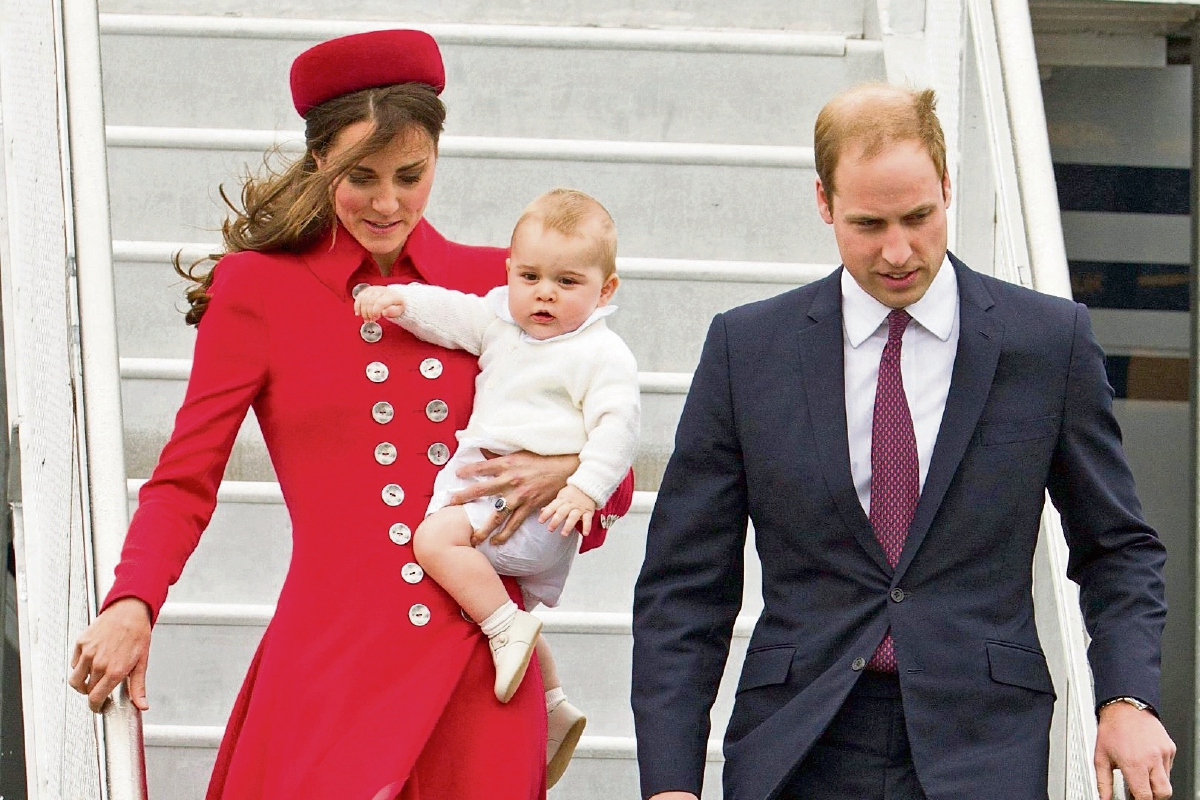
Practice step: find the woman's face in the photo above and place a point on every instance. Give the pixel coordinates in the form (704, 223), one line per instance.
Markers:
(383, 197)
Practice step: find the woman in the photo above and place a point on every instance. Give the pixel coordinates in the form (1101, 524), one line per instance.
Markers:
(368, 682)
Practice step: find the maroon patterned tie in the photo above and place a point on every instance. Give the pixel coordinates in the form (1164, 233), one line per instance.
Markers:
(895, 472)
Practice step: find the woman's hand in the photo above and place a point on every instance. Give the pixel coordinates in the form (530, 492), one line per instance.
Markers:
(115, 646)
(525, 481)
(571, 506)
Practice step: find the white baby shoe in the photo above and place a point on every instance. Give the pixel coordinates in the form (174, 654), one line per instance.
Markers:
(564, 726)
(511, 650)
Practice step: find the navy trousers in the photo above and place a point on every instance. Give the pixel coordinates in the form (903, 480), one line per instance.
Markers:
(864, 754)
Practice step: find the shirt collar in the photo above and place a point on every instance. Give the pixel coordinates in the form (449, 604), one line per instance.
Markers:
(862, 314)
(498, 297)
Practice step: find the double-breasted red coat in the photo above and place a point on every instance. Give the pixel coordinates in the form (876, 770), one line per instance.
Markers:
(368, 679)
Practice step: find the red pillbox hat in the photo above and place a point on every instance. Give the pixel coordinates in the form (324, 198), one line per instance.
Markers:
(365, 61)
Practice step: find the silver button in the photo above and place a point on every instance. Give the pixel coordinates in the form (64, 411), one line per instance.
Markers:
(418, 615)
(431, 368)
(439, 454)
(858, 664)
(393, 495)
(897, 595)
(437, 410)
(371, 332)
(400, 533)
(357, 290)
(412, 573)
(385, 453)
(382, 412)
(377, 372)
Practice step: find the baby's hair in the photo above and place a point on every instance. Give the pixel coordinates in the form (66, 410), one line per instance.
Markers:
(573, 213)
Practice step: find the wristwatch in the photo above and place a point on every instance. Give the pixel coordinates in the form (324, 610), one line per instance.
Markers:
(1133, 701)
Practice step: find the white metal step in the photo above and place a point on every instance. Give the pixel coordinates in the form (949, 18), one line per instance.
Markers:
(155, 66)
(151, 300)
(720, 202)
(179, 758)
(844, 16)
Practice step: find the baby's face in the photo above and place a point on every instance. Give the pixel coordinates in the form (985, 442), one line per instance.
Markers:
(554, 284)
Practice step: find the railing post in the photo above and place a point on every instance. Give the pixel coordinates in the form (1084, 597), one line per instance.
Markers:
(101, 396)
(1193, 768)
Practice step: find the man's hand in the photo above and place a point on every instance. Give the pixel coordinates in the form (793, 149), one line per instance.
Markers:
(1136, 743)
(525, 481)
(115, 646)
(571, 506)
(374, 302)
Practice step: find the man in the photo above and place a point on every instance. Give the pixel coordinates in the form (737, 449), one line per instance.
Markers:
(891, 431)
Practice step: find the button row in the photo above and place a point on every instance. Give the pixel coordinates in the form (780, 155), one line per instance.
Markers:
(377, 371)
(386, 453)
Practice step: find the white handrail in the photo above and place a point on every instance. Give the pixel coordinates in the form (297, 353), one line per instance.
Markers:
(1031, 148)
(1029, 232)
(101, 396)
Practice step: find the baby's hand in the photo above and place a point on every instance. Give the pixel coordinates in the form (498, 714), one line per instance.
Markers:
(374, 302)
(569, 507)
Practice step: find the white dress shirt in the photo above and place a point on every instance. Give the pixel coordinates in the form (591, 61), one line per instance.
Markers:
(926, 364)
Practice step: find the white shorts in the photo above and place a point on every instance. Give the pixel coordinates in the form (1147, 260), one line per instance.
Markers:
(537, 557)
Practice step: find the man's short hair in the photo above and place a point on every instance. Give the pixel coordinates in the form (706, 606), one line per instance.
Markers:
(573, 213)
(874, 116)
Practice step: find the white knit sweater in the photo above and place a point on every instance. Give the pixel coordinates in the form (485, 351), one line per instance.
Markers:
(574, 393)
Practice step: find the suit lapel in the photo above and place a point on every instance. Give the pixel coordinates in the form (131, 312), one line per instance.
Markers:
(822, 375)
(980, 337)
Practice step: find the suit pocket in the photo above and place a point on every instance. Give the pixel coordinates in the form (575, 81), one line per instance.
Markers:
(1019, 666)
(766, 667)
(1023, 430)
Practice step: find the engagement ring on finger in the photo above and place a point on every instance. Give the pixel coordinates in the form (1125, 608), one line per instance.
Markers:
(501, 505)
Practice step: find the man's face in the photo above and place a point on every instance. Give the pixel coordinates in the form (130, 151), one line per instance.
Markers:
(889, 218)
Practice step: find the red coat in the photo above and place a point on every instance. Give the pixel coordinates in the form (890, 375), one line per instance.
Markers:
(363, 682)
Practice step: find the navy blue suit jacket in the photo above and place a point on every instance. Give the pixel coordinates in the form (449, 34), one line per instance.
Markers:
(763, 438)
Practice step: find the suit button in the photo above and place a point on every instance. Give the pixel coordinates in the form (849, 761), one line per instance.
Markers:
(400, 533)
(418, 615)
(858, 664)
(431, 368)
(897, 595)
(358, 287)
(437, 410)
(393, 495)
(385, 453)
(371, 332)
(412, 573)
(438, 453)
(377, 372)
(382, 413)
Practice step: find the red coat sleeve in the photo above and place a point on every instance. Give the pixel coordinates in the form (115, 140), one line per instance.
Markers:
(617, 506)
(229, 369)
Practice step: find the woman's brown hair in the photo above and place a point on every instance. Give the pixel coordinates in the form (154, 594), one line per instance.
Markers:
(288, 210)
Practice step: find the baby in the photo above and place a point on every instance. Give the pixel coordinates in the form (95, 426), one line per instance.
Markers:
(554, 380)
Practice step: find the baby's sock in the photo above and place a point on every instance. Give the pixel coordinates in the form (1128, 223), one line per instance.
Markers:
(499, 620)
(554, 698)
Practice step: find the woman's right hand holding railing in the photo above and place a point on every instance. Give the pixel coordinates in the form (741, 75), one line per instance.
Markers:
(114, 647)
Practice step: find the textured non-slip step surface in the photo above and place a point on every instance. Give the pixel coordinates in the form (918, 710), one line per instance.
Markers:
(150, 407)
(706, 211)
(663, 320)
(581, 91)
(843, 16)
